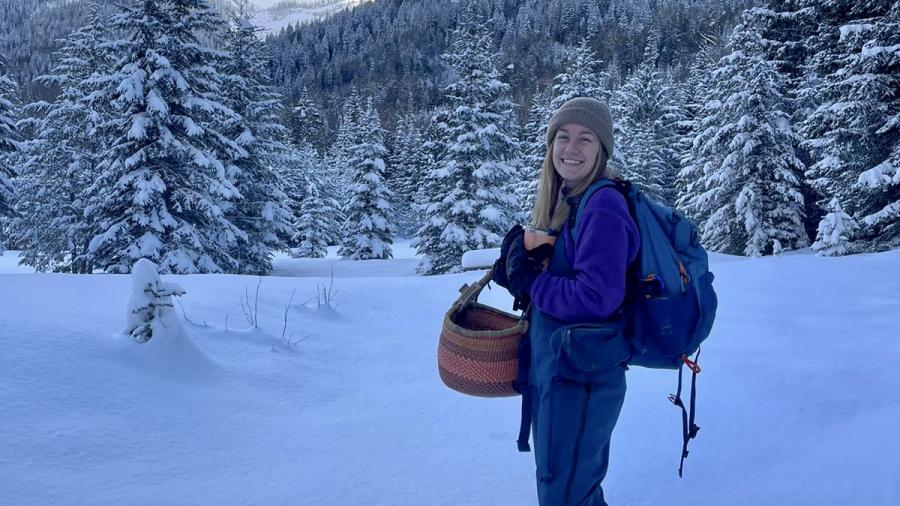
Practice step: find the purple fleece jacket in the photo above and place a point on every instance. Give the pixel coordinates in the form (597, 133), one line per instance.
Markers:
(608, 241)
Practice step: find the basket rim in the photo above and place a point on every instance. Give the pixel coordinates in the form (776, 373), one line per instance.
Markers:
(520, 328)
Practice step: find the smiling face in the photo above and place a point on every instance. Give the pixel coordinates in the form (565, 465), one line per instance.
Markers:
(575, 151)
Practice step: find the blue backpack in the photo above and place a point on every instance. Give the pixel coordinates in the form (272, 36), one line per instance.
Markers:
(670, 304)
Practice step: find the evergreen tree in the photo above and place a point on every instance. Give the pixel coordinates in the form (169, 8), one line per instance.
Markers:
(432, 190)
(582, 77)
(835, 231)
(348, 134)
(471, 205)
(310, 235)
(163, 180)
(880, 55)
(854, 132)
(314, 213)
(8, 141)
(261, 212)
(368, 232)
(646, 115)
(339, 160)
(306, 124)
(785, 29)
(408, 160)
(151, 311)
(690, 184)
(533, 139)
(61, 158)
(752, 197)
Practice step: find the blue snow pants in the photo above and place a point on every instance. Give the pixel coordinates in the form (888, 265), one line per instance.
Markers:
(577, 383)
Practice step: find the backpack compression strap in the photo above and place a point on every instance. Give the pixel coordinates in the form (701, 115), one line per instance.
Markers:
(524, 358)
(688, 427)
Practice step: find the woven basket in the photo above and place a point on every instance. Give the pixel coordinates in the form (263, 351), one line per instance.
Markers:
(478, 349)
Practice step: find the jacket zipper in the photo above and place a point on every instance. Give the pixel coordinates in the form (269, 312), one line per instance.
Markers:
(577, 450)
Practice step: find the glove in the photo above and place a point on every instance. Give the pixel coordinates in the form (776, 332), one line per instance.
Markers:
(541, 253)
(522, 268)
(516, 232)
(499, 275)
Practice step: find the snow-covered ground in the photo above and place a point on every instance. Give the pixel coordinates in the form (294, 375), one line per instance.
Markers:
(799, 399)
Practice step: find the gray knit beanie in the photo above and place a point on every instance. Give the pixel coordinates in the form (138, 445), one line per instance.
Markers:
(589, 113)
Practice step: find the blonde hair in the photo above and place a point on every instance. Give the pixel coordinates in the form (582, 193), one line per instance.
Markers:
(550, 207)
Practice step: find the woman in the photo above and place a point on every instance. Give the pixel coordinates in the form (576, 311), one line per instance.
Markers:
(578, 353)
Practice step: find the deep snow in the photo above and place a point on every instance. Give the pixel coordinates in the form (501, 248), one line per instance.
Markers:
(798, 399)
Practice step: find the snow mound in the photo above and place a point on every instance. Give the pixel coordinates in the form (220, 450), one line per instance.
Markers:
(154, 338)
(480, 258)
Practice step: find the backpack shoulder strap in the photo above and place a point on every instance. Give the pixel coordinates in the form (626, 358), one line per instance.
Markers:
(624, 187)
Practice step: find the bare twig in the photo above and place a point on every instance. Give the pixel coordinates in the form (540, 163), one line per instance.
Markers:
(245, 307)
(287, 309)
(251, 313)
(290, 344)
(326, 296)
(256, 304)
(184, 314)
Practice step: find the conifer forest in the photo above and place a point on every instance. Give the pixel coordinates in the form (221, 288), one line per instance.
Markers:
(177, 131)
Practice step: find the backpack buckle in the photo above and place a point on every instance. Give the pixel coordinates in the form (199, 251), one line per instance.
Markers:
(685, 277)
(674, 399)
(693, 366)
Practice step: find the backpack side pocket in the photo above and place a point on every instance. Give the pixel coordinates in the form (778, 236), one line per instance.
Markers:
(709, 303)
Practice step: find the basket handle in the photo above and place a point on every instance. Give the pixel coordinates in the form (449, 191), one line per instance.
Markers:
(470, 293)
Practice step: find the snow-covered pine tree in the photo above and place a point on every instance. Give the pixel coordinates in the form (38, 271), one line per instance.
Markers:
(408, 161)
(433, 187)
(311, 224)
(339, 160)
(691, 183)
(8, 142)
(261, 212)
(582, 76)
(292, 170)
(348, 135)
(163, 179)
(646, 114)
(61, 159)
(471, 205)
(669, 130)
(880, 55)
(305, 121)
(754, 204)
(151, 311)
(368, 232)
(835, 231)
(533, 139)
(314, 213)
(785, 27)
(854, 132)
